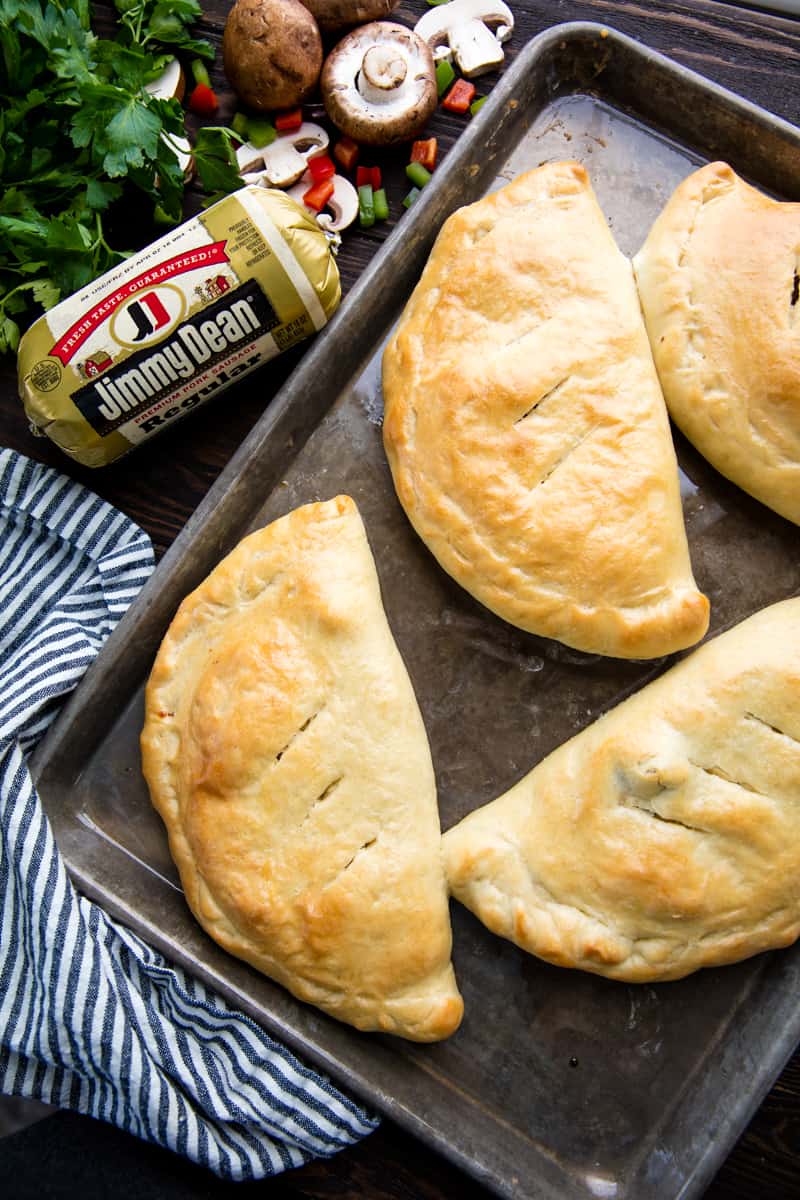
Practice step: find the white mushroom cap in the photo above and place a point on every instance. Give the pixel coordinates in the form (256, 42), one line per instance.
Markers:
(282, 162)
(343, 204)
(470, 31)
(379, 84)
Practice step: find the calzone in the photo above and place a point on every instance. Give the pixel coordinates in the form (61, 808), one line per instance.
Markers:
(285, 752)
(719, 279)
(664, 837)
(526, 430)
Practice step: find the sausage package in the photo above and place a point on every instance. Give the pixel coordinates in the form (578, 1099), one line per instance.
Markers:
(177, 323)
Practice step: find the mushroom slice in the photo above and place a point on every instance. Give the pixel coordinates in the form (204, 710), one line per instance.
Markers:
(171, 82)
(379, 84)
(470, 31)
(343, 204)
(181, 147)
(283, 162)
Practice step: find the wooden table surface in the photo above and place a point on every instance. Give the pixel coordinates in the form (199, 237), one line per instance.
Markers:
(751, 51)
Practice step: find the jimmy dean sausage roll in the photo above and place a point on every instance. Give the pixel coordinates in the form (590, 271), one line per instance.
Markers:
(177, 323)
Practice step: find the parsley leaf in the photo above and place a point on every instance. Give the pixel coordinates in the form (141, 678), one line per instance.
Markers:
(215, 159)
(77, 131)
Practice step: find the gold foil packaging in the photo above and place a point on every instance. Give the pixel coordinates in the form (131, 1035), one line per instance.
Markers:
(176, 324)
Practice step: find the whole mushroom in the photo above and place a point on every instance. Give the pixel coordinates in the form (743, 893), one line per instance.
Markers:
(379, 84)
(339, 14)
(272, 53)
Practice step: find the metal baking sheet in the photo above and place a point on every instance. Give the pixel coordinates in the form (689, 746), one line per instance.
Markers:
(558, 1084)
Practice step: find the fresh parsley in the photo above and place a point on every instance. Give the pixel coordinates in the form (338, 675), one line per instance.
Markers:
(78, 131)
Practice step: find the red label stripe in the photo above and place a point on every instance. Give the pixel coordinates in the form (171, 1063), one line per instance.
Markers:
(190, 260)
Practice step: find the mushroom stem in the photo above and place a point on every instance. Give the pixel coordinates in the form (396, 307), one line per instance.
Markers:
(383, 70)
(475, 48)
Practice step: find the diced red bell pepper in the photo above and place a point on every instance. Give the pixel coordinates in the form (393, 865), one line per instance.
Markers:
(425, 152)
(287, 121)
(369, 175)
(460, 96)
(203, 100)
(321, 167)
(346, 153)
(318, 196)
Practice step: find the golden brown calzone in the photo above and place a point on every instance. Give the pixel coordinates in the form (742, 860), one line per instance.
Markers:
(666, 836)
(285, 751)
(719, 284)
(526, 430)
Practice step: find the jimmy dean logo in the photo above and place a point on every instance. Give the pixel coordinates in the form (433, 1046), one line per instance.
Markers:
(146, 317)
(200, 258)
(144, 378)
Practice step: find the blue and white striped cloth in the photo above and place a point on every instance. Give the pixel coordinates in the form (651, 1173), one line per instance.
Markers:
(91, 1018)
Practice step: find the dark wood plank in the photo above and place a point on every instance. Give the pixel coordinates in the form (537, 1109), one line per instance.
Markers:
(748, 50)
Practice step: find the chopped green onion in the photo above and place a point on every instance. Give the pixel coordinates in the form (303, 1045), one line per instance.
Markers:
(477, 105)
(411, 198)
(240, 124)
(260, 132)
(418, 174)
(200, 72)
(444, 76)
(380, 204)
(366, 206)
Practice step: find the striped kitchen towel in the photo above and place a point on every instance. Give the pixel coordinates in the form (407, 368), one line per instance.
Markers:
(91, 1018)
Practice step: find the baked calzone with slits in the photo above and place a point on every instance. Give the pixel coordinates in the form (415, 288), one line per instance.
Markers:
(526, 430)
(719, 279)
(666, 836)
(285, 752)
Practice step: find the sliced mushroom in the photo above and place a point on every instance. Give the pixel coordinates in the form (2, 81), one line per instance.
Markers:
(470, 31)
(181, 147)
(339, 14)
(283, 162)
(379, 84)
(171, 82)
(343, 204)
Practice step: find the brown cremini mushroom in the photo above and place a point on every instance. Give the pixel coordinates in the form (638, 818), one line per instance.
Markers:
(379, 84)
(272, 52)
(340, 14)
